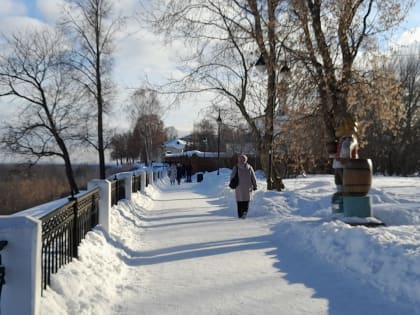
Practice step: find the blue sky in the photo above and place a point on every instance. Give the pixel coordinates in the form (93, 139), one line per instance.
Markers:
(411, 22)
(413, 18)
(32, 8)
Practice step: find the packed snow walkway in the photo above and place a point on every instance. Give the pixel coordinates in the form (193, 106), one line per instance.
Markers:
(195, 257)
(200, 260)
(180, 249)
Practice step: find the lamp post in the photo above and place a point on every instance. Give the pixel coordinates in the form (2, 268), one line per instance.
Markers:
(219, 124)
(205, 145)
(261, 66)
(282, 72)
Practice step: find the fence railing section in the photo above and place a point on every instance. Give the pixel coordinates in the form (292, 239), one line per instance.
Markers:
(136, 184)
(63, 229)
(3, 243)
(117, 190)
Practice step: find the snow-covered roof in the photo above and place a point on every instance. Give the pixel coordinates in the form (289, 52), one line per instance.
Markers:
(176, 144)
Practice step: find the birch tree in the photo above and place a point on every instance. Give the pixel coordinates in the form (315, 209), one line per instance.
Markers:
(92, 27)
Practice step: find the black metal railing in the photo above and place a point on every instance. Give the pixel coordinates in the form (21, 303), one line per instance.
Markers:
(136, 184)
(64, 228)
(117, 191)
(3, 244)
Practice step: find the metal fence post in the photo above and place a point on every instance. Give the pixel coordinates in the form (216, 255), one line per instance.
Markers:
(76, 230)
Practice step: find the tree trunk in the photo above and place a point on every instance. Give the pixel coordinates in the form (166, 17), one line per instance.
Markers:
(69, 169)
(102, 174)
(70, 177)
(101, 150)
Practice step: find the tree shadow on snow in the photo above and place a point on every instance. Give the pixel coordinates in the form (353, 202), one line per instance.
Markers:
(345, 294)
(194, 250)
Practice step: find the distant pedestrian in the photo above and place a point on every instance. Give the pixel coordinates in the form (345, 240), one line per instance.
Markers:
(247, 183)
(188, 170)
(172, 176)
(179, 173)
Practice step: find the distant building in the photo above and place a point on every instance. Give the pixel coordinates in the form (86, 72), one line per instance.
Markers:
(174, 146)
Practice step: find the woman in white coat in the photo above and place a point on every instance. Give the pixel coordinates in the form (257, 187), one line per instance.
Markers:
(247, 183)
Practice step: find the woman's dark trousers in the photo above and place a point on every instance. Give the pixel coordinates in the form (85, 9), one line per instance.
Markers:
(242, 209)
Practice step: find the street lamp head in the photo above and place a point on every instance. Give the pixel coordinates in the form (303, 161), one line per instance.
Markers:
(284, 71)
(261, 67)
(260, 64)
(219, 119)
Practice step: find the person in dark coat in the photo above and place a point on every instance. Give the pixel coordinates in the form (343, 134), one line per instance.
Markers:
(188, 170)
(247, 183)
(179, 173)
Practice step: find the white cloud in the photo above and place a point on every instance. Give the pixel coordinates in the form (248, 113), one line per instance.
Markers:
(144, 55)
(409, 37)
(13, 24)
(140, 55)
(50, 9)
(12, 7)
(126, 7)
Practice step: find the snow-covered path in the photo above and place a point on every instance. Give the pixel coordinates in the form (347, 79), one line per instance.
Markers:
(181, 250)
(194, 257)
(197, 259)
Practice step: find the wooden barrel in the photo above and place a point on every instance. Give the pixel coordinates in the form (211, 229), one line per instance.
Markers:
(357, 177)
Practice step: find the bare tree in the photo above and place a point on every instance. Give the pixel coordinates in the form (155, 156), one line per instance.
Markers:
(35, 72)
(119, 147)
(149, 135)
(225, 39)
(408, 72)
(203, 137)
(171, 133)
(92, 26)
(319, 39)
(145, 140)
(146, 110)
(143, 102)
(330, 36)
(397, 149)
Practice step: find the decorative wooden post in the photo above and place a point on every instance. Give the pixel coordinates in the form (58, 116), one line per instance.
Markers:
(353, 176)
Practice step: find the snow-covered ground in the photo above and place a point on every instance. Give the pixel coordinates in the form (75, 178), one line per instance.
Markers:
(181, 250)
